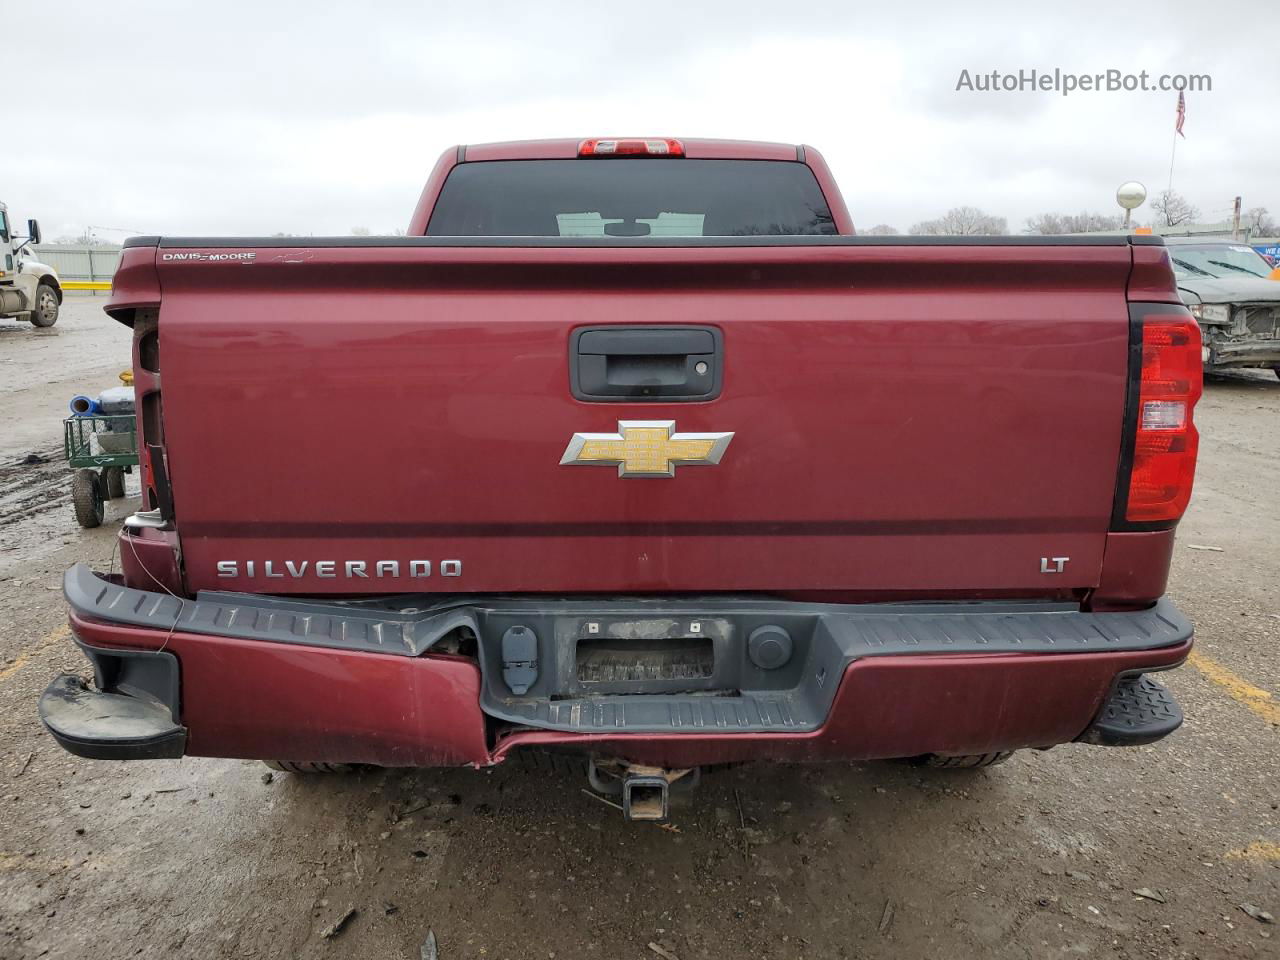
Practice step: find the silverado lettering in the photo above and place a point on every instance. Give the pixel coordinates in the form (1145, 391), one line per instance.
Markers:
(914, 421)
(336, 568)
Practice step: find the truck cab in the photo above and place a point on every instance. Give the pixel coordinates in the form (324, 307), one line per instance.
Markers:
(29, 290)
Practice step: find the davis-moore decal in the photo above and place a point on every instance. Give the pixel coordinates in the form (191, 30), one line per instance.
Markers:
(205, 257)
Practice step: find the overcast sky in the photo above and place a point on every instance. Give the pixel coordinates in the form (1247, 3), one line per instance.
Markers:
(316, 117)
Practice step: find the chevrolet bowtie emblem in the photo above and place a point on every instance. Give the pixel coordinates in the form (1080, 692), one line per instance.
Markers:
(646, 448)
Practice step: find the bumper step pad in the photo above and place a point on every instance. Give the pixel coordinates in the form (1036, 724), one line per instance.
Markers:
(1138, 711)
(109, 726)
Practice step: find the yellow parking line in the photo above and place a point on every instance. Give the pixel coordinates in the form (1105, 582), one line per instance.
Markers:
(20, 861)
(1256, 699)
(1262, 850)
(86, 285)
(56, 636)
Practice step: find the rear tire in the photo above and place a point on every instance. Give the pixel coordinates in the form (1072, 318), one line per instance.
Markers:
(968, 762)
(86, 497)
(308, 766)
(45, 313)
(113, 480)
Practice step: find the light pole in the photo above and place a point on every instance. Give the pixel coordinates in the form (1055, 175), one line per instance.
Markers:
(1130, 196)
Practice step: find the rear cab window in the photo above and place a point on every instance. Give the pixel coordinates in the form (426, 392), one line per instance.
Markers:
(643, 197)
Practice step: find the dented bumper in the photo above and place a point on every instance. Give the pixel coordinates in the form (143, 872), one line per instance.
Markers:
(1225, 351)
(368, 684)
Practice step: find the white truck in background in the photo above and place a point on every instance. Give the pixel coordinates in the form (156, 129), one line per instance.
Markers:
(29, 289)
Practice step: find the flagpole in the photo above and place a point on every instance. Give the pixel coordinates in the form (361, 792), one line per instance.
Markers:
(1177, 132)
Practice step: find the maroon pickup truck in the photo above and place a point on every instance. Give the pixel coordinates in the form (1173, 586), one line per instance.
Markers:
(631, 450)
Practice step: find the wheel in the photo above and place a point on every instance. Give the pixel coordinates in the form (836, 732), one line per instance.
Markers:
(46, 312)
(86, 495)
(113, 480)
(308, 766)
(969, 762)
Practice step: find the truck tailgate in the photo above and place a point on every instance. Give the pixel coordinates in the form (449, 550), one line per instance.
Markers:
(932, 419)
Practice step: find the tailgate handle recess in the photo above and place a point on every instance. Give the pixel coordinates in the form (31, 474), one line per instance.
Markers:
(638, 364)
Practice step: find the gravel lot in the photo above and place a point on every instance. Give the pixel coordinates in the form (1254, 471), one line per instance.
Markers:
(1037, 858)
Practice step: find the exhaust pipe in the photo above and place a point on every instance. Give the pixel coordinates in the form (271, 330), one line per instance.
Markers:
(645, 790)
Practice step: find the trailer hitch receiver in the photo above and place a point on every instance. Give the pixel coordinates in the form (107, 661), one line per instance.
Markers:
(645, 790)
(645, 797)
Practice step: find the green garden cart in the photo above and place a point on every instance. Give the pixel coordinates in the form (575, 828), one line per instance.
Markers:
(100, 450)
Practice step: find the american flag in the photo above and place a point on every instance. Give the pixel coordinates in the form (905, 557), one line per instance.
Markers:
(1182, 114)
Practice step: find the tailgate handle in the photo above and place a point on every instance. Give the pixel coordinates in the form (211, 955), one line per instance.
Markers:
(638, 364)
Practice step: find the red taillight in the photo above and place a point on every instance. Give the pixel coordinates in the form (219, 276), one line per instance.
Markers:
(631, 148)
(1165, 438)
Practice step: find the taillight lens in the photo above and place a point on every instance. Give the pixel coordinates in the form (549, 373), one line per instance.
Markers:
(631, 148)
(1165, 440)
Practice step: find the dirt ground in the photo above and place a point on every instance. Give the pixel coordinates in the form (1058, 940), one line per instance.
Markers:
(1037, 858)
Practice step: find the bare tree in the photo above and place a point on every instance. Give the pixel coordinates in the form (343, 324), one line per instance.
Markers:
(1173, 208)
(1083, 222)
(881, 230)
(963, 222)
(1260, 222)
(86, 238)
(360, 231)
